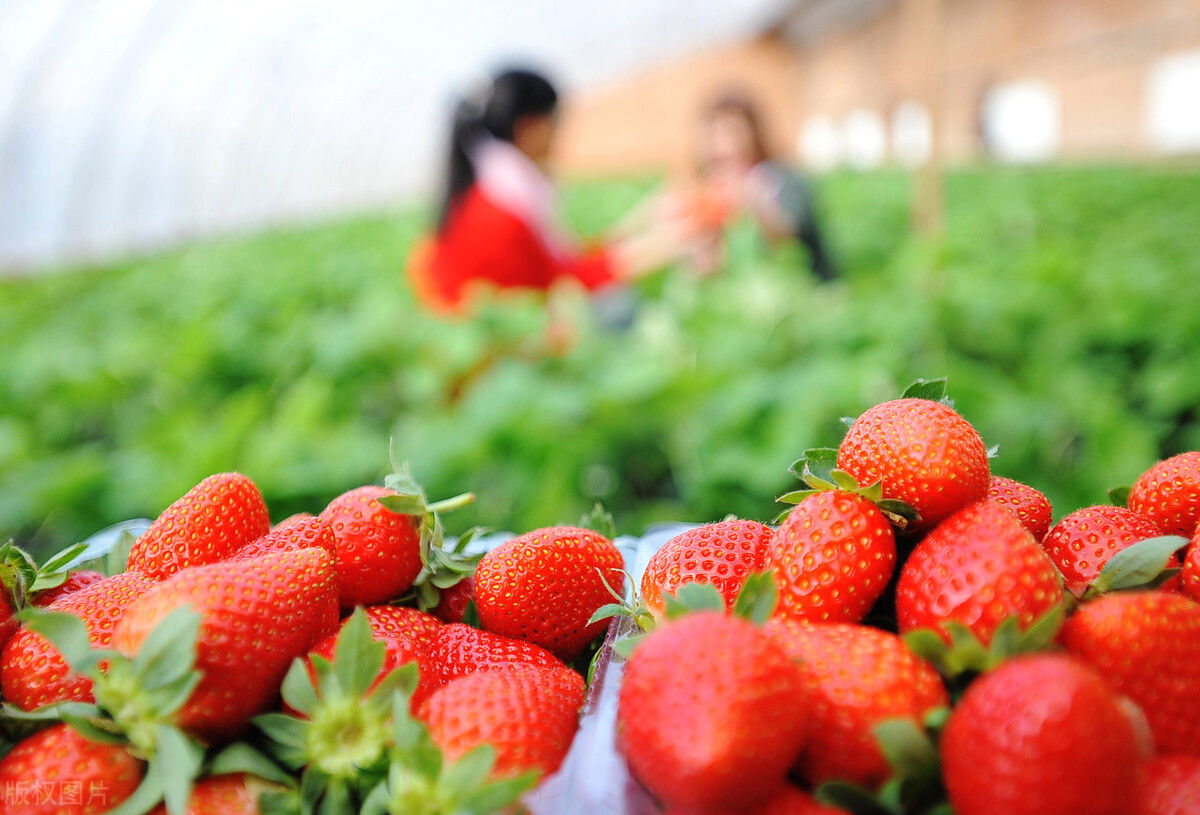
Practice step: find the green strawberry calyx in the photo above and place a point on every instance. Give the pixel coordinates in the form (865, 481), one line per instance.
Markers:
(357, 747)
(965, 655)
(135, 699)
(442, 565)
(21, 577)
(817, 469)
(915, 785)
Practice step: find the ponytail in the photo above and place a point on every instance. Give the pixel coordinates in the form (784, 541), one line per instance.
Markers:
(493, 112)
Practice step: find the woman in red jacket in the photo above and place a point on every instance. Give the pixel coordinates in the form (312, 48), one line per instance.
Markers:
(497, 222)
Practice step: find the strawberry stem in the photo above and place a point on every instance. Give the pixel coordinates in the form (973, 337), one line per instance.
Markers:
(451, 504)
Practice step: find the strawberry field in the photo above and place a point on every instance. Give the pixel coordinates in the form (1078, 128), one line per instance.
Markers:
(1059, 306)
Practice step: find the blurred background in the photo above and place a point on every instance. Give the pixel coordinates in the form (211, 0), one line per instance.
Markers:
(206, 210)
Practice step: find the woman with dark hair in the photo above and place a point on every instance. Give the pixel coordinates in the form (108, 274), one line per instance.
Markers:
(738, 170)
(496, 225)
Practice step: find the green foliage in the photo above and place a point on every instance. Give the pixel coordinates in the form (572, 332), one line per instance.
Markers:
(1056, 306)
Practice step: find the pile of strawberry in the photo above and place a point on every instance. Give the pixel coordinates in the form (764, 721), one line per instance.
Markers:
(915, 637)
(318, 666)
(912, 638)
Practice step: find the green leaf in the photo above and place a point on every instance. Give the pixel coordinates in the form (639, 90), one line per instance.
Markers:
(471, 615)
(404, 504)
(287, 736)
(894, 506)
(470, 770)
(147, 796)
(598, 519)
(179, 759)
(848, 421)
(928, 645)
(169, 652)
(844, 481)
(851, 798)
(58, 562)
(1119, 496)
(931, 389)
(337, 799)
(118, 557)
(757, 598)
(166, 699)
(608, 610)
(966, 653)
(497, 795)
(693, 597)
(794, 497)
(357, 656)
(402, 679)
(1006, 640)
(297, 688)
(1136, 565)
(95, 728)
(936, 719)
(906, 746)
(1042, 633)
(68, 634)
(240, 757)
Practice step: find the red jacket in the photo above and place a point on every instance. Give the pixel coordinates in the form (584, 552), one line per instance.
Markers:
(483, 243)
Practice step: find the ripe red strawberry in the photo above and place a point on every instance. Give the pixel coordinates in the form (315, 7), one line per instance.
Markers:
(979, 567)
(528, 713)
(722, 554)
(209, 523)
(378, 551)
(712, 713)
(832, 558)
(1169, 494)
(404, 624)
(861, 676)
(1031, 506)
(1146, 645)
(924, 453)
(222, 795)
(256, 617)
(790, 801)
(1191, 568)
(1040, 735)
(290, 537)
(460, 650)
(1169, 785)
(544, 586)
(408, 636)
(79, 579)
(1083, 542)
(33, 673)
(56, 771)
(453, 602)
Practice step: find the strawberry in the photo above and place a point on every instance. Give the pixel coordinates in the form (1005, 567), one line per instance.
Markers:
(832, 558)
(1191, 568)
(721, 554)
(861, 676)
(711, 713)
(544, 586)
(1030, 505)
(1169, 494)
(1084, 541)
(789, 801)
(460, 650)
(453, 602)
(405, 624)
(222, 795)
(33, 673)
(290, 537)
(256, 616)
(1169, 785)
(79, 579)
(1040, 735)
(378, 550)
(56, 771)
(1146, 645)
(923, 452)
(528, 714)
(408, 635)
(209, 523)
(979, 567)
